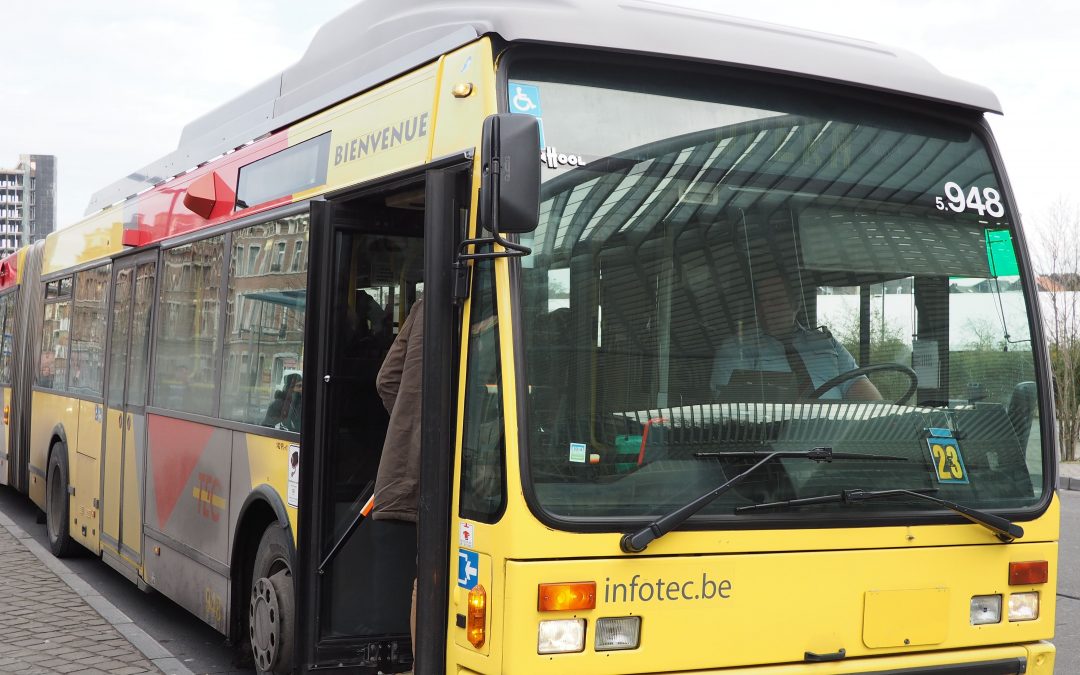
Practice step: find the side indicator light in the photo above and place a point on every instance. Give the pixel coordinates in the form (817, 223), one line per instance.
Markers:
(7, 414)
(1026, 573)
(476, 619)
(566, 596)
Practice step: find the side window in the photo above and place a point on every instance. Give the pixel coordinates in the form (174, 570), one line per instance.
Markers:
(483, 483)
(7, 321)
(264, 331)
(88, 331)
(55, 336)
(186, 363)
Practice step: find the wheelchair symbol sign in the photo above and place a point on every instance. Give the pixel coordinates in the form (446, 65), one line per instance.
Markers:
(525, 99)
(468, 568)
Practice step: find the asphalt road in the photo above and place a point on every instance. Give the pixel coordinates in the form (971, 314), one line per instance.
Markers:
(203, 650)
(199, 647)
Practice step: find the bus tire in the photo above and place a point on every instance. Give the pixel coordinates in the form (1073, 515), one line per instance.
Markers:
(57, 503)
(271, 605)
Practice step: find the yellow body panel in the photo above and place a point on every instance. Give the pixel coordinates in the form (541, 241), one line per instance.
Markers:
(96, 237)
(458, 119)
(775, 608)
(1039, 657)
(89, 436)
(86, 468)
(368, 134)
(268, 460)
(50, 412)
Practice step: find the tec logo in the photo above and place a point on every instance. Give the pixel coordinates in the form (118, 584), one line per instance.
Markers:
(468, 568)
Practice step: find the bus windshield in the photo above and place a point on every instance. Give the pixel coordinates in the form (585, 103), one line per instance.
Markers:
(726, 267)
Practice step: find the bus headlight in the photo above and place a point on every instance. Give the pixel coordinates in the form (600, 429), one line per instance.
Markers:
(561, 636)
(985, 609)
(622, 632)
(1024, 606)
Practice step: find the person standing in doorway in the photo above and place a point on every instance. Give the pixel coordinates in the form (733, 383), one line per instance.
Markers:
(397, 483)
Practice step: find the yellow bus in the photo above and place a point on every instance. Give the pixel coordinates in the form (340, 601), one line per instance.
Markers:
(746, 374)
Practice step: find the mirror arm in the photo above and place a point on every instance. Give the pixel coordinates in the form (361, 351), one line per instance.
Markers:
(511, 249)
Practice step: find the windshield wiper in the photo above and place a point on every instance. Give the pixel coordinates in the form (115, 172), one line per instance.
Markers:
(1003, 529)
(636, 542)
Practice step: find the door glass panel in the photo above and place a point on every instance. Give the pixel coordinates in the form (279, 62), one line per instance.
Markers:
(140, 343)
(378, 280)
(118, 342)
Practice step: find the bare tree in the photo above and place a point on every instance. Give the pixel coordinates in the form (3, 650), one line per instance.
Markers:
(1060, 282)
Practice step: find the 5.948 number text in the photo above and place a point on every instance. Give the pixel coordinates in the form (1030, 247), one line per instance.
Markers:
(986, 201)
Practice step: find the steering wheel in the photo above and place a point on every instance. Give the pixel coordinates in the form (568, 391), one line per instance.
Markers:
(866, 370)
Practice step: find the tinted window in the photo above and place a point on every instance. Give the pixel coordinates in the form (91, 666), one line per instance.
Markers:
(88, 331)
(7, 320)
(264, 333)
(186, 363)
(55, 337)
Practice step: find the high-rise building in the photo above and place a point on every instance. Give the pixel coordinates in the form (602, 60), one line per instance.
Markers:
(27, 201)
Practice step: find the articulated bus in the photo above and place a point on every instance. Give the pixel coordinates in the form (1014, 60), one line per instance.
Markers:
(732, 359)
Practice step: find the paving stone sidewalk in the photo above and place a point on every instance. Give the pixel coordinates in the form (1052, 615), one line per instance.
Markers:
(47, 627)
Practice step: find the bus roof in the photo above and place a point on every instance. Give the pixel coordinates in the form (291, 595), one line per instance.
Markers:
(377, 40)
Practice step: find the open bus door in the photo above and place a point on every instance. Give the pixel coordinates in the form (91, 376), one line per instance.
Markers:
(376, 251)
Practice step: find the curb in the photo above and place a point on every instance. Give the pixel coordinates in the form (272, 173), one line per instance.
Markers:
(1067, 483)
(140, 639)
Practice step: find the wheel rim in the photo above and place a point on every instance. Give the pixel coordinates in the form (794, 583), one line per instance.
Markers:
(56, 506)
(264, 625)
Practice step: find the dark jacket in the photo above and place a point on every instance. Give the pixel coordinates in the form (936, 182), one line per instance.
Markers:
(398, 480)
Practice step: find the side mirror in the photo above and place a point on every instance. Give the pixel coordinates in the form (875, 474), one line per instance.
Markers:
(510, 185)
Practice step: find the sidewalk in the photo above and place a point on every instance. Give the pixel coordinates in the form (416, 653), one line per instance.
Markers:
(51, 621)
(1069, 476)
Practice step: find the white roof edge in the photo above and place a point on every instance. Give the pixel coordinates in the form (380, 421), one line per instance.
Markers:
(338, 63)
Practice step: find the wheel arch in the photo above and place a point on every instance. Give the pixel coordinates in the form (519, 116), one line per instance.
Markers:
(262, 507)
(59, 435)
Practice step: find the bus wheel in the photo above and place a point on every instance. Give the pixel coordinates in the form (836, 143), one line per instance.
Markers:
(271, 609)
(57, 504)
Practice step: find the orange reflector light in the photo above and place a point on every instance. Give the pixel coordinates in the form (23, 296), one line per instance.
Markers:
(7, 414)
(558, 597)
(1031, 572)
(476, 619)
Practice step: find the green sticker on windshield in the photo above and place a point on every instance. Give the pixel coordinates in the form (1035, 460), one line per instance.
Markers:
(948, 462)
(1001, 254)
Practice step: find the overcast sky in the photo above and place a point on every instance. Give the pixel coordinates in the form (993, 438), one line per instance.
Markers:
(108, 85)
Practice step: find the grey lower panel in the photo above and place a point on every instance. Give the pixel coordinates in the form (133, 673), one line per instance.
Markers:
(189, 583)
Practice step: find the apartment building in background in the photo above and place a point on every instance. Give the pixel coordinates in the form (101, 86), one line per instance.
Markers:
(27, 201)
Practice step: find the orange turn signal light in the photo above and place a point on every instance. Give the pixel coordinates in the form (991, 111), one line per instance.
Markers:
(7, 415)
(476, 619)
(1025, 573)
(559, 597)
